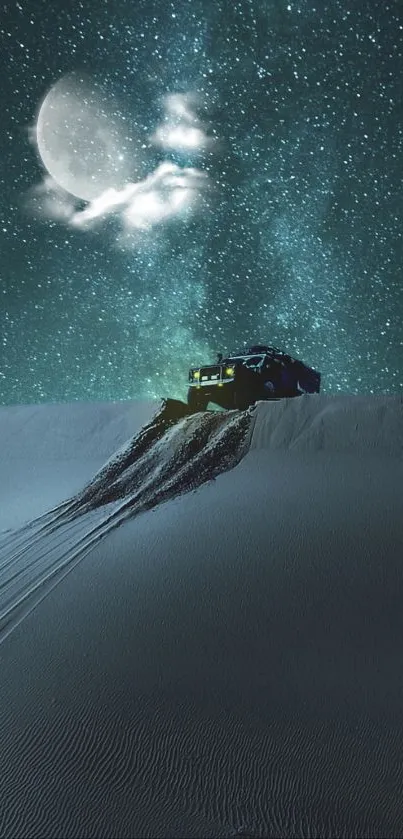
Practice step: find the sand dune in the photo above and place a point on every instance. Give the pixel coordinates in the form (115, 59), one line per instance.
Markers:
(359, 425)
(174, 453)
(207, 633)
(48, 452)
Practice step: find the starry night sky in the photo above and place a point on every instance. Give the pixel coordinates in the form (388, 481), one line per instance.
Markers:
(293, 236)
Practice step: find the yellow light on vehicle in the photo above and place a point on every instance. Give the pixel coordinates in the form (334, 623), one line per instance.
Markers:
(196, 374)
(229, 371)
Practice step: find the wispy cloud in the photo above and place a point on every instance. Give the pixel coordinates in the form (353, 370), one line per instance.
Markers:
(49, 200)
(168, 192)
(181, 128)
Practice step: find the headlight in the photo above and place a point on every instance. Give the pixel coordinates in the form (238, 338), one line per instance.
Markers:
(229, 371)
(196, 374)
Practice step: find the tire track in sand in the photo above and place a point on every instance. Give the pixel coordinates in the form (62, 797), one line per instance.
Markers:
(174, 454)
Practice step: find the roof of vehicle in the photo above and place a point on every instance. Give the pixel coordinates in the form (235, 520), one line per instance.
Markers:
(257, 349)
(260, 349)
(254, 350)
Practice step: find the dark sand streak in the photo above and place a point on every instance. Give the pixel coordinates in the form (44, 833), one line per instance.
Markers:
(173, 454)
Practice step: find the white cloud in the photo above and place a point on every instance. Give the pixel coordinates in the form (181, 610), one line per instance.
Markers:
(180, 105)
(180, 137)
(181, 129)
(168, 192)
(51, 201)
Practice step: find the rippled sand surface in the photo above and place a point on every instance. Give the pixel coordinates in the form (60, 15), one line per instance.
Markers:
(189, 656)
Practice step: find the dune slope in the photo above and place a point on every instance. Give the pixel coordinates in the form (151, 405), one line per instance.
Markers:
(223, 644)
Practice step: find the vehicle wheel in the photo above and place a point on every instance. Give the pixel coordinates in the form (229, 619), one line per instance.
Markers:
(241, 401)
(269, 389)
(197, 401)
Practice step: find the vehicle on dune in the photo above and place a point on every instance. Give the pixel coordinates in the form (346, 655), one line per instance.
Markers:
(245, 376)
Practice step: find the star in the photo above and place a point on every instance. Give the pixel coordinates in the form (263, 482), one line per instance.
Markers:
(246, 190)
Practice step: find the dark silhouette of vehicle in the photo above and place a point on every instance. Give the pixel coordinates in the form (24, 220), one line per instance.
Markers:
(248, 375)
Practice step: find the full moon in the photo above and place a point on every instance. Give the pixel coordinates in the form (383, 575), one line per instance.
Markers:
(82, 141)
